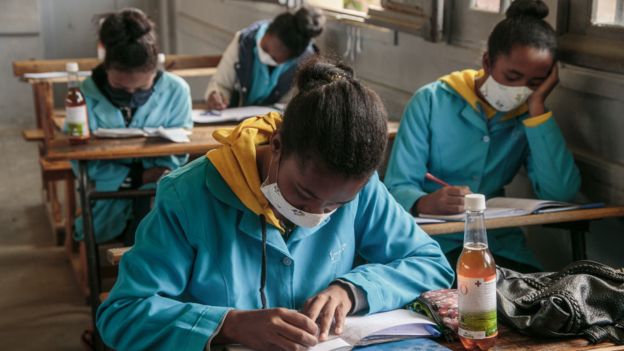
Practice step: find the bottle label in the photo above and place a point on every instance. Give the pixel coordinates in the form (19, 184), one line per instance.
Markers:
(477, 307)
(76, 121)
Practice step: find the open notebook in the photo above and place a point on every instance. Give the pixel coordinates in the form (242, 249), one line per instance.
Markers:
(510, 207)
(235, 114)
(375, 329)
(177, 135)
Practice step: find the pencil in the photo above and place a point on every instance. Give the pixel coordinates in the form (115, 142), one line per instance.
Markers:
(435, 179)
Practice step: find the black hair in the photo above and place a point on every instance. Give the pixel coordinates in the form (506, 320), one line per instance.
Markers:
(130, 41)
(335, 119)
(296, 30)
(524, 25)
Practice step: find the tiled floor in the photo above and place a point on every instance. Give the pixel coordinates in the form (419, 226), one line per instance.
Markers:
(42, 308)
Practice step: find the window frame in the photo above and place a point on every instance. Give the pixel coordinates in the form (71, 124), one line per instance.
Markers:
(585, 44)
(425, 19)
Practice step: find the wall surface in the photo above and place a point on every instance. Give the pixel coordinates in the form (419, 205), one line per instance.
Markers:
(48, 29)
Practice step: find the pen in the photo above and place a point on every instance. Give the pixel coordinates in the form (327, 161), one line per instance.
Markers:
(211, 113)
(435, 179)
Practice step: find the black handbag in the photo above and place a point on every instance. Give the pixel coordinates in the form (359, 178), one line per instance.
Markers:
(585, 299)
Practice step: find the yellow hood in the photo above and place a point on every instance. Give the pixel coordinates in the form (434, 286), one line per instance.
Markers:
(463, 82)
(236, 161)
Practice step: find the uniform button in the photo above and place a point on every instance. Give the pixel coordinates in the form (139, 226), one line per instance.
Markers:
(486, 139)
(287, 261)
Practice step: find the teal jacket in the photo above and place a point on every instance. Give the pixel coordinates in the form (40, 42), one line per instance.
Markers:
(443, 134)
(198, 255)
(169, 106)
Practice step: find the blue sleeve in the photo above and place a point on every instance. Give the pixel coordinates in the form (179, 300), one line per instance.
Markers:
(550, 164)
(181, 116)
(403, 260)
(143, 310)
(406, 170)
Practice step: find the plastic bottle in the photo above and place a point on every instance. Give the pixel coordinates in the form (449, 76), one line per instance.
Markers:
(76, 118)
(476, 281)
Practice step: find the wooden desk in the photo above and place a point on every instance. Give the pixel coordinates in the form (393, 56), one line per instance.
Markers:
(535, 219)
(110, 149)
(576, 221)
(509, 339)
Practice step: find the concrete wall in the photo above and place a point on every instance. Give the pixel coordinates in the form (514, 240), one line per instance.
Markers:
(587, 103)
(48, 29)
(19, 38)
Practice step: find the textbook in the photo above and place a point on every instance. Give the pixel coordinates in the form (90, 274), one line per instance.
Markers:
(235, 114)
(378, 328)
(177, 135)
(499, 207)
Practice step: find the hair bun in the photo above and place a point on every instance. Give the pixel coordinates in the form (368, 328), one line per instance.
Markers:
(136, 23)
(317, 72)
(527, 8)
(126, 26)
(309, 22)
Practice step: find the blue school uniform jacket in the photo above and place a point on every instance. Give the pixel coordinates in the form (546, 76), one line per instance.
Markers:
(168, 106)
(444, 133)
(198, 255)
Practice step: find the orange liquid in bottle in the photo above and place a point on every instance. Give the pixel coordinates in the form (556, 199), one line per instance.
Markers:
(475, 267)
(76, 118)
(75, 103)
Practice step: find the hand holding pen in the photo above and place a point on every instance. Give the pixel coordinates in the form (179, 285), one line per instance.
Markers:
(448, 199)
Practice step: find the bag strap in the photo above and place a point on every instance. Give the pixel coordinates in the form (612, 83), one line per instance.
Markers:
(597, 333)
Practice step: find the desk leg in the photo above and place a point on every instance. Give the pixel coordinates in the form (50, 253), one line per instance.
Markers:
(579, 251)
(92, 252)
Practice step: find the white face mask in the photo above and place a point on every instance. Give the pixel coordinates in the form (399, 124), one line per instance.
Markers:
(296, 216)
(101, 52)
(264, 57)
(504, 98)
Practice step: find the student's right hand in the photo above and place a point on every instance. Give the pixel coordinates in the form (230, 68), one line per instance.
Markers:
(216, 101)
(271, 329)
(446, 200)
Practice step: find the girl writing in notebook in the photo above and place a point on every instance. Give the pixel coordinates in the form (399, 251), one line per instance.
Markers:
(128, 91)
(259, 65)
(255, 243)
(476, 129)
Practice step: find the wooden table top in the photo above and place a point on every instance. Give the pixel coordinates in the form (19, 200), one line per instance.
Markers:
(533, 219)
(186, 72)
(108, 149)
(509, 339)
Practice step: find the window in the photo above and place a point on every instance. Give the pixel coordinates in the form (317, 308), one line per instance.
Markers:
(494, 6)
(608, 13)
(592, 34)
(420, 17)
(355, 5)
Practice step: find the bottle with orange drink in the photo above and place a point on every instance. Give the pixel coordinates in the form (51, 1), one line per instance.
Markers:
(476, 281)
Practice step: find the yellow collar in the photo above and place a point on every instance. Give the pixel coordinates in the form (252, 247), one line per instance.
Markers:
(236, 161)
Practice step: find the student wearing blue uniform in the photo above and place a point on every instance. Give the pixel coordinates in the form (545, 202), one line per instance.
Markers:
(259, 65)
(255, 243)
(476, 129)
(128, 91)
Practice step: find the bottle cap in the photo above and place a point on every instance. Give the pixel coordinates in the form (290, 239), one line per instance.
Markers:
(474, 202)
(72, 66)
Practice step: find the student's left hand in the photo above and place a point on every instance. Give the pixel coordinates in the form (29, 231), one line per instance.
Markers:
(152, 175)
(331, 304)
(537, 99)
